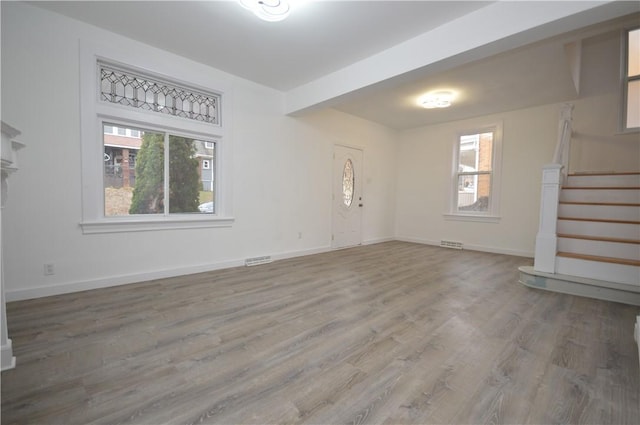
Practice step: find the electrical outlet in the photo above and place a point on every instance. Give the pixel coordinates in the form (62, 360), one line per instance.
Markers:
(49, 269)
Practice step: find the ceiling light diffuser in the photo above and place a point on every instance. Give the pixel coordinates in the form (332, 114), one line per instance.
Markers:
(268, 10)
(440, 99)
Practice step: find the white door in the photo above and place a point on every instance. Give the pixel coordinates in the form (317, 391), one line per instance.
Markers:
(347, 197)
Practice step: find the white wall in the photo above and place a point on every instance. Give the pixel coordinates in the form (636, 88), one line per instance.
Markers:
(281, 170)
(529, 139)
(281, 184)
(424, 173)
(597, 144)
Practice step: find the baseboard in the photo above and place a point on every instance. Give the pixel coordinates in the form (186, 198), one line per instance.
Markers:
(7, 360)
(471, 247)
(66, 288)
(636, 335)
(301, 253)
(377, 240)
(580, 286)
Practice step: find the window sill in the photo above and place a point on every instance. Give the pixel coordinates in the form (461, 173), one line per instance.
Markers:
(472, 217)
(144, 224)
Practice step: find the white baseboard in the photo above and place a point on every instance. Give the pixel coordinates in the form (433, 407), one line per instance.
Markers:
(302, 253)
(377, 240)
(66, 288)
(581, 286)
(636, 335)
(7, 360)
(470, 247)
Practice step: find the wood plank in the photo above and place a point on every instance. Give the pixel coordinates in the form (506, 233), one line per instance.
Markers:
(598, 238)
(624, 261)
(607, 204)
(610, 173)
(602, 187)
(600, 220)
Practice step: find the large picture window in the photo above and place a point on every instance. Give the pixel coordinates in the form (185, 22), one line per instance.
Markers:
(155, 152)
(476, 174)
(631, 80)
(157, 173)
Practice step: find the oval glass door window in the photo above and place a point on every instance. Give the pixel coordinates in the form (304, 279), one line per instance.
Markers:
(347, 183)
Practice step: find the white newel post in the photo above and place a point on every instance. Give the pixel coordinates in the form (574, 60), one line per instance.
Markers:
(9, 154)
(547, 240)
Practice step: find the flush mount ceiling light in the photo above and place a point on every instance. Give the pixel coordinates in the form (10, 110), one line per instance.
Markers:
(268, 10)
(439, 99)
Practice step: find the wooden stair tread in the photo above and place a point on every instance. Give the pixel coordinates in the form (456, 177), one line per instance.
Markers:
(612, 260)
(600, 220)
(602, 187)
(598, 238)
(603, 173)
(607, 204)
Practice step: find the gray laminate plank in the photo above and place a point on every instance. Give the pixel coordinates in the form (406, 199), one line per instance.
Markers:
(394, 333)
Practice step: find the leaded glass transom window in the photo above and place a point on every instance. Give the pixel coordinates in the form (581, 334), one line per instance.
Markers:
(137, 90)
(348, 179)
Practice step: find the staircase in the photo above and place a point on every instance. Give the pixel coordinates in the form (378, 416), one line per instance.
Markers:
(598, 239)
(598, 227)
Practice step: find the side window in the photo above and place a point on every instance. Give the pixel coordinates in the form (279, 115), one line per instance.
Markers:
(631, 80)
(476, 173)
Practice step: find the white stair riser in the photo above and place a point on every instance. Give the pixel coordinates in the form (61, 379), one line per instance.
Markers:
(628, 251)
(628, 196)
(611, 212)
(609, 272)
(626, 180)
(600, 229)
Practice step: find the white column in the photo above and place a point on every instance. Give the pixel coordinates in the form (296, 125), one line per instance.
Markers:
(9, 160)
(547, 240)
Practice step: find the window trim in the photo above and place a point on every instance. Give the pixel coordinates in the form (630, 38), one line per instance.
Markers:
(625, 80)
(94, 112)
(492, 213)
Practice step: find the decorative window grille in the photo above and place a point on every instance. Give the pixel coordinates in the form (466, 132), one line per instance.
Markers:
(137, 90)
(348, 180)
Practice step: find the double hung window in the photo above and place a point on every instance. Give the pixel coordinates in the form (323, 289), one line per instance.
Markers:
(631, 80)
(476, 175)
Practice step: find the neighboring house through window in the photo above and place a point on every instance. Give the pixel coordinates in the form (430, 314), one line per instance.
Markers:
(475, 185)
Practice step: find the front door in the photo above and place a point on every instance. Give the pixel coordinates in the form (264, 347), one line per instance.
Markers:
(347, 197)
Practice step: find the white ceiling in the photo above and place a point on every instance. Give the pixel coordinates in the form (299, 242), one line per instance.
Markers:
(321, 39)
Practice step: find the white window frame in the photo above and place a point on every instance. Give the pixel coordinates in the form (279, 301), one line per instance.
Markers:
(128, 132)
(492, 213)
(625, 80)
(94, 112)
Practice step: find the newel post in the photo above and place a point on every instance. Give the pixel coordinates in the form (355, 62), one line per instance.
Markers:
(547, 240)
(9, 161)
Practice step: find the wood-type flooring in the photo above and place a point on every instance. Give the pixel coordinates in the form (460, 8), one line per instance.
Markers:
(392, 333)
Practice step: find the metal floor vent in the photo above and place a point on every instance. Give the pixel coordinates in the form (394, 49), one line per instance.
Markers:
(257, 260)
(451, 244)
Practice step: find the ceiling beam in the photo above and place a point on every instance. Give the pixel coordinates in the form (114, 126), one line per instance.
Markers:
(496, 28)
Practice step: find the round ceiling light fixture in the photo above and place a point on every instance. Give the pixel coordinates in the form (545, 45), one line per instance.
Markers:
(438, 99)
(268, 10)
